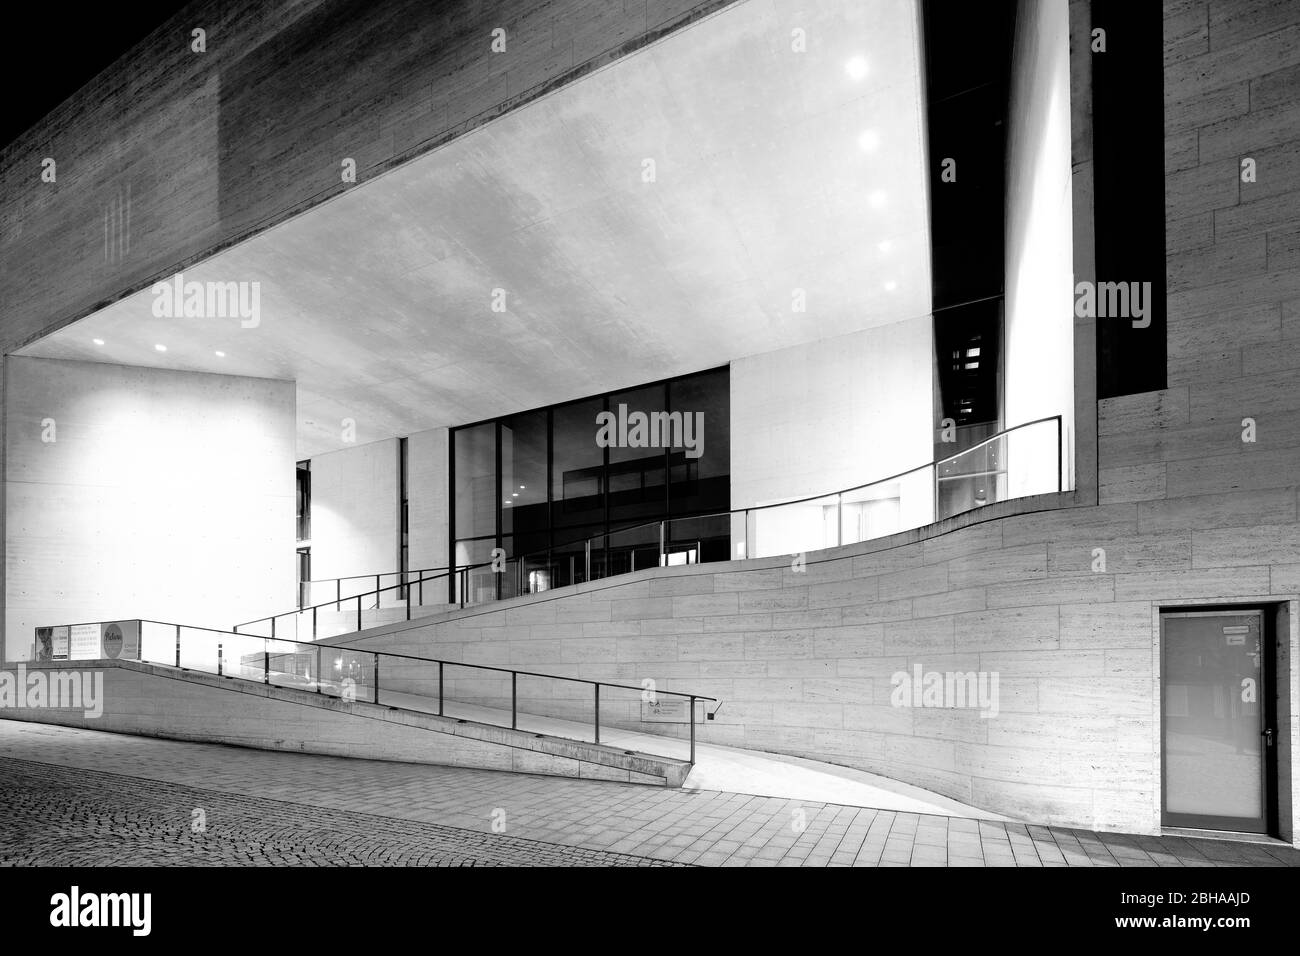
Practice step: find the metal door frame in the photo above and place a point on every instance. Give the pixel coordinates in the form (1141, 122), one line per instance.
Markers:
(1268, 820)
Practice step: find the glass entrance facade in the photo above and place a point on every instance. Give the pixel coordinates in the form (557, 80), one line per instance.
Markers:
(578, 491)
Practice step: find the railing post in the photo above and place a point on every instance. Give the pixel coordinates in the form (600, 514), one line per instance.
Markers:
(358, 612)
(313, 623)
(338, 594)
(588, 564)
(178, 645)
(692, 731)
(219, 661)
(273, 627)
(839, 519)
(514, 700)
(376, 678)
(266, 661)
(934, 475)
(663, 551)
(407, 589)
(597, 713)
(439, 688)
(319, 676)
(1060, 462)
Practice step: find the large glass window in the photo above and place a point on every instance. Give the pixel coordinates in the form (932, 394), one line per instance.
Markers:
(700, 469)
(577, 468)
(576, 491)
(523, 480)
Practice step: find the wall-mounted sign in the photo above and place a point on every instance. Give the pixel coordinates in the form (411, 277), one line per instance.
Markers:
(1235, 634)
(670, 710)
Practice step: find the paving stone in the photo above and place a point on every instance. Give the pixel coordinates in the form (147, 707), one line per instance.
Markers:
(74, 797)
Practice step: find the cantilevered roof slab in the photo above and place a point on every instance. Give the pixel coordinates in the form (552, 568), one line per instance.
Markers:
(754, 181)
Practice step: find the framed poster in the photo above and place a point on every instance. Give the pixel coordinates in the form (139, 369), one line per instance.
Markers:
(120, 640)
(84, 642)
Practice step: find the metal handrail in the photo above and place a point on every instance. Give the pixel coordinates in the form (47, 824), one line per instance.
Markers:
(417, 657)
(418, 582)
(442, 663)
(381, 574)
(935, 464)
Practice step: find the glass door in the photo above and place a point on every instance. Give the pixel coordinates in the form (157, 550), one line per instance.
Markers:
(1216, 740)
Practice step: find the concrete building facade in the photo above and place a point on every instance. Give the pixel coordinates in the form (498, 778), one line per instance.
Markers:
(1071, 588)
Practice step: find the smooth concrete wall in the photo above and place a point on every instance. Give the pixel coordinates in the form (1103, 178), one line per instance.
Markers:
(354, 513)
(830, 415)
(355, 527)
(1038, 363)
(427, 499)
(142, 493)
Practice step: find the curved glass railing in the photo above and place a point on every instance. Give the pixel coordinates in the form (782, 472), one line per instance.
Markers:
(1017, 462)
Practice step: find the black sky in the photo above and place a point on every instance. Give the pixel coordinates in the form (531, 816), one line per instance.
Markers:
(50, 51)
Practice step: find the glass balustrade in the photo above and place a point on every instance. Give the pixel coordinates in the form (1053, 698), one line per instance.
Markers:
(1018, 462)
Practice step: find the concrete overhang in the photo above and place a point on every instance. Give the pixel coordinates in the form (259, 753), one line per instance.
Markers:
(754, 181)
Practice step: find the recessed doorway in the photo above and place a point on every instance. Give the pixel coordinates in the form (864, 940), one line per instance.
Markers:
(1219, 722)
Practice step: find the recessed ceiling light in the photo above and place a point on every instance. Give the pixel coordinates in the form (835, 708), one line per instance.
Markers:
(514, 494)
(98, 341)
(521, 487)
(886, 245)
(868, 140)
(221, 354)
(877, 198)
(856, 68)
(160, 348)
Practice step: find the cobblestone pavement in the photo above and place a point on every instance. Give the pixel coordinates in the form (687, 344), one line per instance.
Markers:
(56, 816)
(135, 806)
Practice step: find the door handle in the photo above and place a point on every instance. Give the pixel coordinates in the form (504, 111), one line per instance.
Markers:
(1267, 734)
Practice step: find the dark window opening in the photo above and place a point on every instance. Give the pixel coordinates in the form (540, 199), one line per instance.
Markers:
(1129, 191)
(304, 501)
